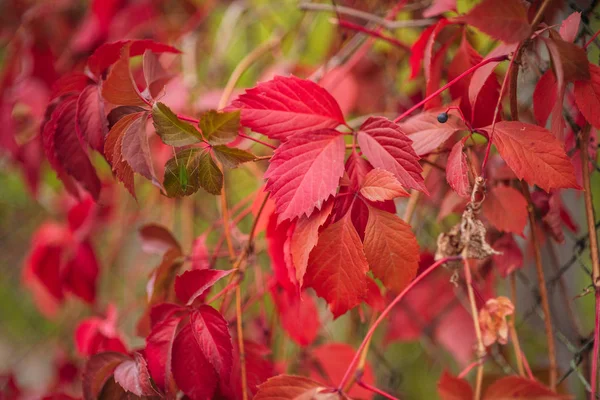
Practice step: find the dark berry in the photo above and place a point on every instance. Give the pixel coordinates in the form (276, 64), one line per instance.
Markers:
(442, 117)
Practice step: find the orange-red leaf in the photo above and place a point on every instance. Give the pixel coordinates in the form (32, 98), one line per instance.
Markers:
(381, 185)
(453, 388)
(506, 209)
(457, 171)
(119, 87)
(587, 96)
(516, 387)
(427, 133)
(290, 387)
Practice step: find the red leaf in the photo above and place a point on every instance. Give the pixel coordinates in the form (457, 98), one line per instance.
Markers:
(374, 297)
(210, 330)
(290, 387)
(570, 27)
(286, 106)
(457, 171)
(258, 368)
(200, 256)
(506, 21)
(434, 62)
(154, 74)
(544, 97)
(109, 53)
(277, 236)
(381, 185)
(482, 75)
(510, 258)
(391, 249)
(417, 51)
(192, 284)
(516, 387)
(305, 171)
(192, 371)
(337, 267)
(506, 209)
(464, 58)
(333, 359)
(534, 155)
(133, 376)
(95, 335)
(587, 96)
(119, 87)
(136, 150)
(304, 238)
(97, 372)
(159, 353)
(80, 273)
(91, 122)
(157, 239)
(298, 315)
(484, 104)
(453, 388)
(439, 7)
(70, 84)
(427, 134)
(387, 147)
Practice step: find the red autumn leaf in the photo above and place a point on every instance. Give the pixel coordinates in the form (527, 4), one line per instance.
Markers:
(391, 249)
(587, 96)
(98, 371)
(506, 209)
(570, 27)
(304, 238)
(457, 170)
(381, 185)
(505, 21)
(213, 339)
(387, 146)
(337, 267)
(298, 315)
(453, 388)
(305, 171)
(290, 387)
(439, 7)
(154, 74)
(333, 359)
(417, 51)
(157, 239)
(193, 284)
(91, 124)
(483, 74)
(516, 387)
(258, 368)
(534, 155)
(95, 335)
(373, 296)
(510, 258)
(277, 236)
(107, 54)
(484, 104)
(133, 376)
(135, 149)
(200, 256)
(286, 106)
(70, 84)
(544, 97)
(119, 87)
(433, 62)
(569, 60)
(464, 58)
(159, 353)
(192, 371)
(427, 133)
(80, 273)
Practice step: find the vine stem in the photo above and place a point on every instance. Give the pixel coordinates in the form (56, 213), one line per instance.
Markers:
(591, 218)
(475, 67)
(475, 314)
(542, 287)
(385, 312)
(373, 389)
(374, 33)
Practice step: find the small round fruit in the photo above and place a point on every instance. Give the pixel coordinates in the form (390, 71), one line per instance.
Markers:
(442, 117)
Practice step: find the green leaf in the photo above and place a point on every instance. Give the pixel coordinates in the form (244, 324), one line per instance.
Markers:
(231, 157)
(220, 127)
(189, 170)
(171, 129)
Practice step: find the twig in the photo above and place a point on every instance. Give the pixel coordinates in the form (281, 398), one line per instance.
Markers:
(542, 286)
(373, 389)
(256, 140)
(387, 310)
(371, 32)
(475, 315)
(511, 325)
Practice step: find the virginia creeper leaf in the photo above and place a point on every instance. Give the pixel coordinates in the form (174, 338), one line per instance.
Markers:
(119, 87)
(516, 387)
(286, 106)
(219, 127)
(387, 147)
(391, 249)
(91, 122)
(381, 185)
(159, 353)
(534, 155)
(231, 157)
(171, 129)
(305, 171)
(427, 134)
(544, 97)
(154, 74)
(157, 239)
(298, 315)
(189, 170)
(210, 331)
(587, 96)
(452, 388)
(98, 369)
(136, 149)
(119, 112)
(570, 27)
(457, 171)
(337, 267)
(192, 284)
(133, 376)
(510, 258)
(506, 209)
(290, 387)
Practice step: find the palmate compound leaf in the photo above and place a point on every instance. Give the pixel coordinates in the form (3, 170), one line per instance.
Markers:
(381, 185)
(387, 147)
(291, 387)
(219, 127)
(189, 170)
(286, 106)
(506, 20)
(305, 171)
(171, 129)
(337, 267)
(391, 249)
(534, 155)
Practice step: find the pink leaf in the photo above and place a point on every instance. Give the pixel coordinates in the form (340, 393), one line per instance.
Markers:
(534, 155)
(387, 147)
(192, 284)
(570, 27)
(305, 171)
(91, 122)
(286, 106)
(98, 370)
(136, 149)
(133, 376)
(457, 171)
(381, 185)
(427, 133)
(277, 238)
(337, 267)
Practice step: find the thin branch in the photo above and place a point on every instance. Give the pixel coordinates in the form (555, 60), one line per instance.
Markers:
(474, 314)
(373, 389)
(511, 324)
(256, 140)
(371, 32)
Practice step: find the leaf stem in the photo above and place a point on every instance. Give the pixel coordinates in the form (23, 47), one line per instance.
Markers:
(542, 286)
(452, 82)
(480, 347)
(256, 140)
(373, 389)
(385, 312)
